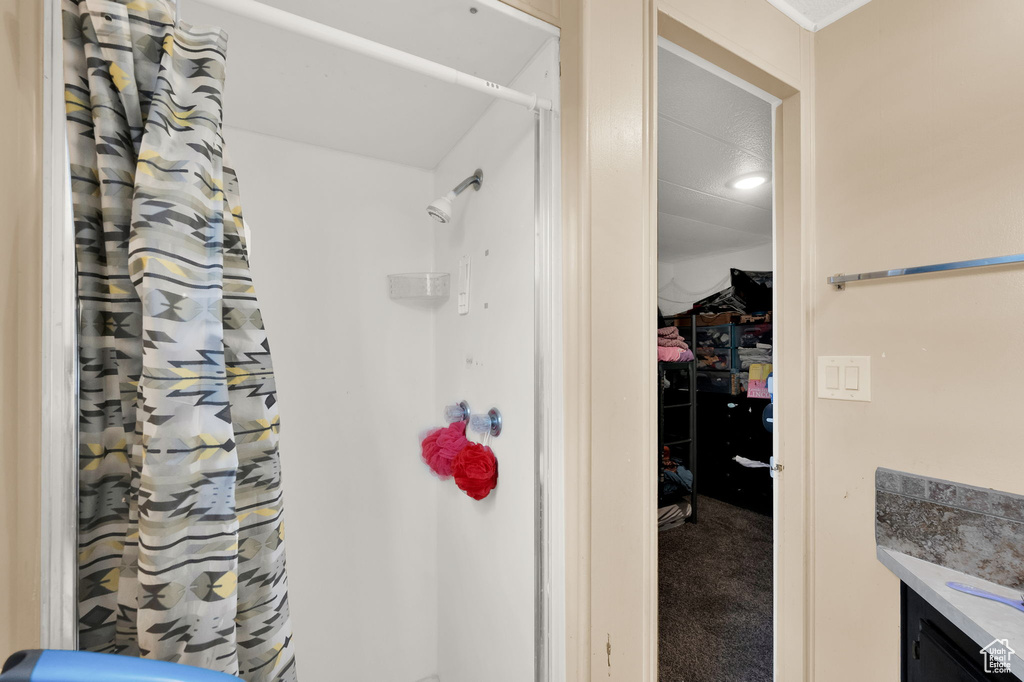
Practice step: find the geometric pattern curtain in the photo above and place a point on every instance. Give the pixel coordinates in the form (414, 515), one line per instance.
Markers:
(181, 539)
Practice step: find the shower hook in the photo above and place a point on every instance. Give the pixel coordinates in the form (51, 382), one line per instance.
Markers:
(487, 423)
(457, 413)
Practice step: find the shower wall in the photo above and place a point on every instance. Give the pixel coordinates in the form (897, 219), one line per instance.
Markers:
(486, 549)
(355, 375)
(396, 576)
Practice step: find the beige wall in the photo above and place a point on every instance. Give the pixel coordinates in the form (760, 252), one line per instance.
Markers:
(547, 10)
(20, 300)
(752, 30)
(913, 154)
(920, 159)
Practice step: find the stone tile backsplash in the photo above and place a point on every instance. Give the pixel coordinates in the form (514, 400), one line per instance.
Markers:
(974, 530)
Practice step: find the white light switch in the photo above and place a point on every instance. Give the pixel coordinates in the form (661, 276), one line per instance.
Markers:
(844, 377)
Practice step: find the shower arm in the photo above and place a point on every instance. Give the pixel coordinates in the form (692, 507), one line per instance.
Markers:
(475, 179)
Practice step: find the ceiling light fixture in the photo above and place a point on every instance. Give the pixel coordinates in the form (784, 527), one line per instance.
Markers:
(749, 181)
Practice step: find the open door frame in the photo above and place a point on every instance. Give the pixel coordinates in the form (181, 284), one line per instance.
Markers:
(609, 137)
(792, 351)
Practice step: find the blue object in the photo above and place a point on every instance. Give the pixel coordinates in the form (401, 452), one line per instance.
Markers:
(678, 480)
(977, 592)
(768, 417)
(86, 666)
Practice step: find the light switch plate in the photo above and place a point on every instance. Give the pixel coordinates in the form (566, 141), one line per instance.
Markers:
(844, 377)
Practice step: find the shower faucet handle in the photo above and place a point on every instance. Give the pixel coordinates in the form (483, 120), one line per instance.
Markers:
(486, 423)
(457, 413)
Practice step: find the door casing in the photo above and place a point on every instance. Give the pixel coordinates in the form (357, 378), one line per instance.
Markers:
(609, 115)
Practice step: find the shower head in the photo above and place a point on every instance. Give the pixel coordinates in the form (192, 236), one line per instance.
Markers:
(441, 208)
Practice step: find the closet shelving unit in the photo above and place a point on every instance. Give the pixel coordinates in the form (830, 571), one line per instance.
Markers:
(675, 440)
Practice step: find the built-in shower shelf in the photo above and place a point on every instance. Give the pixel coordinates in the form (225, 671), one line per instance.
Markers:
(419, 286)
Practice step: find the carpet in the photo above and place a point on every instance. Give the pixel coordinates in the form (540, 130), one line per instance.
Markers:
(715, 597)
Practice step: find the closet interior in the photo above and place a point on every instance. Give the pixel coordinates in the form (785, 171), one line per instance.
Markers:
(715, 382)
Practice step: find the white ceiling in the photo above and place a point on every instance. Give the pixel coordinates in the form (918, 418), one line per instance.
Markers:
(281, 84)
(709, 132)
(815, 15)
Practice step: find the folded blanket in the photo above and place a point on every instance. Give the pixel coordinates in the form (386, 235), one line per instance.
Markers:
(672, 343)
(754, 356)
(669, 332)
(669, 354)
(674, 354)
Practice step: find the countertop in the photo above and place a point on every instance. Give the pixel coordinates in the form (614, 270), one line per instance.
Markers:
(983, 620)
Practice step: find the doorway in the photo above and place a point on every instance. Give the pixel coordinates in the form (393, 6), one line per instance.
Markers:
(715, 448)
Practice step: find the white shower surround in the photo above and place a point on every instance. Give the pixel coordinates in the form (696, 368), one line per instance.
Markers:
(413, 562)
(327, 226)
(486, 551)
(354, 373)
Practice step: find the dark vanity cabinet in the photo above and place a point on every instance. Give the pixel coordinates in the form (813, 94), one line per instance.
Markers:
(935, 650)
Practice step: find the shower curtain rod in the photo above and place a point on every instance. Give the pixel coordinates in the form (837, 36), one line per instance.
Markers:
(278, 18)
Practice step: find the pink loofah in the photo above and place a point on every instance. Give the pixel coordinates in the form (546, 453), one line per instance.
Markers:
(441, 445)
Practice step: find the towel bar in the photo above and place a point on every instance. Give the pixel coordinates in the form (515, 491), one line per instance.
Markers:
(839, 281)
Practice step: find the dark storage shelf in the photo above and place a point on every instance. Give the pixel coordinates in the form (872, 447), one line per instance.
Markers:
(689, 369)
(730, 426)
(676, 365)
(730, 422)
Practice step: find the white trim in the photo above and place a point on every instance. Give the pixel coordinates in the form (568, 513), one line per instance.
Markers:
(794, 14)
(519, 15)
(58, 540)
(669, 46)
(805, 22)
(549, 417)
(776, 458)
(293, 23)
(839, 14)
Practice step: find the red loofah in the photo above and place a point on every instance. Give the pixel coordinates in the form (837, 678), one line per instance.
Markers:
(476, 470)
(442, 445)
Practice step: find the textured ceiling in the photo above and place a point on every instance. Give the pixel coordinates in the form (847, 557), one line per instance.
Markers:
(709, 132)
(817, 14)
(284, 85)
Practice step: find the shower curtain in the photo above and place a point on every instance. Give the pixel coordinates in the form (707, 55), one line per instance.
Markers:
(181, 540)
